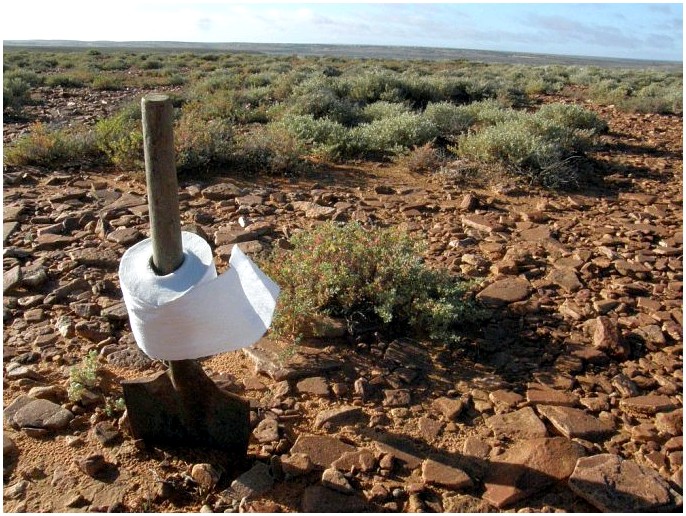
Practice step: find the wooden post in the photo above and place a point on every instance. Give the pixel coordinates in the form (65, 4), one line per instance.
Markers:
(160, 176)
(182, 407)
(163, 196)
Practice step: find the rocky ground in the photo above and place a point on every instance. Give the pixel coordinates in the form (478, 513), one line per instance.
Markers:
(568, 399)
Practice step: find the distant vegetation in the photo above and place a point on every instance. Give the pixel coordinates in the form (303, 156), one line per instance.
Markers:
(275, 114)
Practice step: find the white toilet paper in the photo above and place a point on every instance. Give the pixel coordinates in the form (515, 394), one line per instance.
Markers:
(192, 313)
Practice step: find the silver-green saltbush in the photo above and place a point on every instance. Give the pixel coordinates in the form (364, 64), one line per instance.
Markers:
(449, 119)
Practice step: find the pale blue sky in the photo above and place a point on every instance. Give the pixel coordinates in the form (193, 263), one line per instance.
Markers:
(628, 30)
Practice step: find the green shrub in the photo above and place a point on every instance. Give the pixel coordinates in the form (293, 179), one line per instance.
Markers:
(449, 119)
(383, 109)
(200, 144)
(48, 147)
(16, 92)
(325, 136)
(392, 135)
(107, 83)
(82, 377)
(424, 158)
(540, 146)
(67, 80)
(378, 274)
(120, 138)
(572, 116)
(268, 150)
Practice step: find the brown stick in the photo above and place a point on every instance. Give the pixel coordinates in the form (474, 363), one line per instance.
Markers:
(163, 200)
(160, 175)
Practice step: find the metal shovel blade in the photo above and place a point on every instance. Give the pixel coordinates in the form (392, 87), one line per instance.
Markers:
(185, 409)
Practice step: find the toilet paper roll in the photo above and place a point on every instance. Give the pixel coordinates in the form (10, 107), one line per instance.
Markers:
(192, 312)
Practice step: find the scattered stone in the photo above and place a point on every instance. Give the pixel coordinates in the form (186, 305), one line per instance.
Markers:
(529, 467)
(408, 354)
(92, 465)
(396, 398)
(296, 464)
(316, 386)
(267, 431)
(648, 405)
(612, 484)
(575, 423)
(505, 400)
(254, 482)
(253, 383)
(450, 408)
(670, 423)
(539, 394)
(481, 223)
(28, 412)
(205, 475)
(438, 474)
(16, 491)
(626, 387)
(125, 236)
(475, 447)
(11, 279)
(335, 480)
(221, 192)
(321, 499)
(606, 337)
(322, 450)
(338, 417)
(429, 428)
(565, 278)
(505, 291)
(522, 423)
(359, 460)
(9, 447)
(106, 433)
(268, 357)
(400, 448)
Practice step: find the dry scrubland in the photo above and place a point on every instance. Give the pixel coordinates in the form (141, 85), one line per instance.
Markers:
(481, 269)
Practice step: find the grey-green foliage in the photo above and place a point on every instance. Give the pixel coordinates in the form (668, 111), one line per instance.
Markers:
(15, 92)
(391, 135)
(449, 119)
(541, 145)
(83, 376)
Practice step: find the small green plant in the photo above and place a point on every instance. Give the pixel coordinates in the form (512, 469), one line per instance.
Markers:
(348, 271)
(47, 147)
(269, 150)
(541, 146)
(201, 145)
(15, 92)
(83, 376)
(114, 407)
(120, 138)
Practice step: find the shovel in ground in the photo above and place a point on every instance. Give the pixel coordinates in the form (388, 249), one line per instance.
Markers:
(181, 406)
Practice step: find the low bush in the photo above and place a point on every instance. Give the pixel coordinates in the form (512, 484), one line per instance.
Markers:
(268, 150)
(422, 159)
(83, 377)
(390, 136)
(324, 136)
(450, 120)
(201, 145)
(120, 138)
(383, 109)
(107, 83)
(47, 147)
(16, 92)
(376, 275)
(541, 146)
